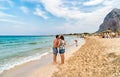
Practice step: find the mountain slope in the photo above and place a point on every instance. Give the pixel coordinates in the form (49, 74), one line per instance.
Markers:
(111, 21)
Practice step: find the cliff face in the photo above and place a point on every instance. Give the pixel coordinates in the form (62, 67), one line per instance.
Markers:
(111, 21)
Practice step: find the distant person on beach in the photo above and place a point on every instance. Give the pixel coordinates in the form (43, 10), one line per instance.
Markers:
(76, 42)
(62, 44)
(55, 48)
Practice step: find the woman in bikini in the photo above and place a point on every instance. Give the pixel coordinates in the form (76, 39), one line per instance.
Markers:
(62, 44)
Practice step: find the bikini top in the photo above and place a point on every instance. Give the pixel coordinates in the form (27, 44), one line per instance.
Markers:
(62, 44)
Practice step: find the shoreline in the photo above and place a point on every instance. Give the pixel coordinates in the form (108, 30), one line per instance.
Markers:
(33, 66)
(49, 69)
(25, 69)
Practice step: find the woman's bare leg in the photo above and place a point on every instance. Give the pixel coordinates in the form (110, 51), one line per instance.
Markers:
(62, 58)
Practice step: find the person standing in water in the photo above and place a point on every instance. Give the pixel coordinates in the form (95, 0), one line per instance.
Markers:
(55, 48)
(62, 44)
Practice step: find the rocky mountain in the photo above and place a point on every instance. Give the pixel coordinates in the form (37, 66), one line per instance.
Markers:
(111, 21)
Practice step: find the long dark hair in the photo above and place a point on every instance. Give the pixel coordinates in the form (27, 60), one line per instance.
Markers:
(62, 37)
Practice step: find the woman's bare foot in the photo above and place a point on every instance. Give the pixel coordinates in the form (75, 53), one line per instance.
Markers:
(61, 63)
(55, 63)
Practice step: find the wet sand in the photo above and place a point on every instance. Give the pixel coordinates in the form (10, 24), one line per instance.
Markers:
(49, 69)
(38, 68)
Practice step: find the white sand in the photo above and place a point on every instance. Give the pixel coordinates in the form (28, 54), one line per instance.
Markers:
(96, 58)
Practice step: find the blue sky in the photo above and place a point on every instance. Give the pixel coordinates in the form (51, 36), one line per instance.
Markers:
(44, 17)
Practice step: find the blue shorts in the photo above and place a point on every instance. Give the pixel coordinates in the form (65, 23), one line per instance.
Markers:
(61, 51)
(55, 51)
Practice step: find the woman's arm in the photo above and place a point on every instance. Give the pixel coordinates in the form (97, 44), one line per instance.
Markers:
(65, 42)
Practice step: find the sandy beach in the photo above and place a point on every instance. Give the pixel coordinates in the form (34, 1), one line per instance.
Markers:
(98, 57)
(39, 68)
(48, 69)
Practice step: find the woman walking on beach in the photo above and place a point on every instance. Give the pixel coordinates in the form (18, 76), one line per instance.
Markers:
(62, 44)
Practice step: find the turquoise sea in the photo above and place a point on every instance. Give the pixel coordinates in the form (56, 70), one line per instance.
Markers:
(16, 50)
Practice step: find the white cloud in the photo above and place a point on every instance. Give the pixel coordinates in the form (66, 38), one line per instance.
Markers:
(54, 7)
(40, 13)
(93, 2)
(90, 20)
(2, 14)
(24, 9)
(12, 21)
